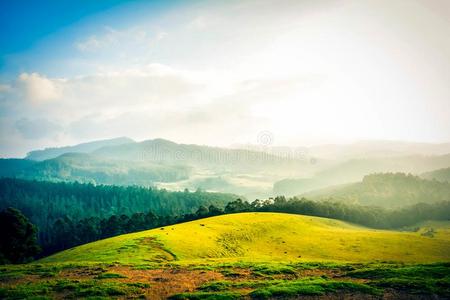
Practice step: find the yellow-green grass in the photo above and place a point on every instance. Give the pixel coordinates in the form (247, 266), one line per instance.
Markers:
(264, 237)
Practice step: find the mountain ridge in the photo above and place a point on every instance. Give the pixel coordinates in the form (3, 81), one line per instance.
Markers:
(87, 147)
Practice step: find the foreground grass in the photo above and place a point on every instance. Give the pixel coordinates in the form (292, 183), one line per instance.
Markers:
(243, 280)
(70, 289)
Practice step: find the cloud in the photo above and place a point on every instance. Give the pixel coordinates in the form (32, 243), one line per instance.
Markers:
(38, 88)
(91, 44)
(37, 128)
(198, 23)
(153, 100)
(128, 38)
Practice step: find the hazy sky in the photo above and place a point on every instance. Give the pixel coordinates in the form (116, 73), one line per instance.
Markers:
(222, 72)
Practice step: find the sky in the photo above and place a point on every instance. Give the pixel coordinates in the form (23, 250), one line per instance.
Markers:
(284, 72)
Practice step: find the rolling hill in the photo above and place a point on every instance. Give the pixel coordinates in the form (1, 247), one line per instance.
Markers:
(386, 190)
(262, 237)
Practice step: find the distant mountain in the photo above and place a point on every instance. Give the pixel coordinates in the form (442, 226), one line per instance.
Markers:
(49, 153)
(248, 172)
(355, 169)
(87, 168)
(156, 162)
(214, 158)
(440, 175)
(386, 190)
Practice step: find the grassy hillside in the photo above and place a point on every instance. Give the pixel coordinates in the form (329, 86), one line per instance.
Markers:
(387, 190)
(263, 237)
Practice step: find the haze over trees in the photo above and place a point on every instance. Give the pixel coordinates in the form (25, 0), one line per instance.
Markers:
(439, 175)
(386, 190)
(253, 172)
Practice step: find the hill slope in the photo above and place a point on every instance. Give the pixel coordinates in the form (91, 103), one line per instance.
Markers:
(262, 236)
(387, 190)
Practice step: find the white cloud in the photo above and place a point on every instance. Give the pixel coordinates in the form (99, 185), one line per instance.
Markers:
(120, 39)
(90, 44)
(38, 88)
(199, 23)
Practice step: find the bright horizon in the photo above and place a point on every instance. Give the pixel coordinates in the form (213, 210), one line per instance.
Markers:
(224, 72)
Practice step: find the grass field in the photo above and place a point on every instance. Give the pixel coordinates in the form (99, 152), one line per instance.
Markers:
(265, 237)
(246, 256)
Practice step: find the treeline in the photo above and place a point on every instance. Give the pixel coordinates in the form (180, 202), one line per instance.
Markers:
(371, 216)
(46, 202)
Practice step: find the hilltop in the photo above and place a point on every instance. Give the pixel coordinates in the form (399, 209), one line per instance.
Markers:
(262, 237)
(88, 147)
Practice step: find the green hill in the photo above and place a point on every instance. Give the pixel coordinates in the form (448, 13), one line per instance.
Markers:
(262, 237)
(387, 190)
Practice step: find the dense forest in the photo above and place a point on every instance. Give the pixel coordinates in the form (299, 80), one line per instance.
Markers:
(46, 202)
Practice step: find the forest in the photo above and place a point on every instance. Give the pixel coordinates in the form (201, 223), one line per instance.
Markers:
(46, 202)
